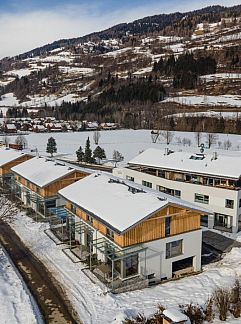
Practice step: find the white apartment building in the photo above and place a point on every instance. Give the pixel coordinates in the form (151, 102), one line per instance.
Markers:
(211, 180)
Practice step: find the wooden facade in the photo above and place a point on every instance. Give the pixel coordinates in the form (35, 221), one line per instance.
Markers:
(151, 229)
(52, 189)
(6, 168)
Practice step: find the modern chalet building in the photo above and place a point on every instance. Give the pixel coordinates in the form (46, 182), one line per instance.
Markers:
(128, 230)
(8, 159)
(209, 180)
(38, 181)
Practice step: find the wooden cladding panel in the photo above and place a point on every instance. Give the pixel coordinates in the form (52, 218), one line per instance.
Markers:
(53, 188)
(153, 228)
(184, 223)
(6, 169)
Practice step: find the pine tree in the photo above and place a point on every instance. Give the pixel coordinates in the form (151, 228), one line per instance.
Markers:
(51, 146)
(80, 154)
(88, 152)
(99, 154)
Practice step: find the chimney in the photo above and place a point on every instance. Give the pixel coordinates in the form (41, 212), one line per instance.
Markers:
(166, 151)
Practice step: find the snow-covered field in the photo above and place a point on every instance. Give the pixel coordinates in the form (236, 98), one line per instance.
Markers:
(16, 304)
(222, 100)
(90, 299)
(128, 142)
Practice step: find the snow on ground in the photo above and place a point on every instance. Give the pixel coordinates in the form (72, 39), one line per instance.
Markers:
(222, 100)
(128, 142)
(90, 300)
(117, 52)
(8, 100)
(16, 304)
(220, 76)
(217, 114)
(176, 48)
(143, 71)
(76, 70)
(51, 100)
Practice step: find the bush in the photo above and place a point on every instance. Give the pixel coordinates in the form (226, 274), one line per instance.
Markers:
(209, 314)
(221, 299)
(194, 312)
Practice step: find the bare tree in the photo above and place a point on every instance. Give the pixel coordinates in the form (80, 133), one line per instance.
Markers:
(96, 137)
(168, 136)
(198, 137)
(227, 144)
(221, 299)
(186, 141)
(7, 209)
(6, 141)
(21, 140)
(211, 139)
(154, 136)
(117, 157)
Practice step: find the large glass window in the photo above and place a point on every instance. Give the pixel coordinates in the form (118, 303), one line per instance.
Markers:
(174, 249)
(204, 199)
(221, 220)
(167, 226)
(130, 266)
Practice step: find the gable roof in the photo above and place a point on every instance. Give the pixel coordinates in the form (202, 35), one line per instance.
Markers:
(9, 155)
(224, 165)
(42, 171)
(119, 203)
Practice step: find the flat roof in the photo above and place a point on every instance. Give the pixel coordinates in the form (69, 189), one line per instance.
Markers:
(119, 203)
(42, 171)
(223, 166)
(8, 155)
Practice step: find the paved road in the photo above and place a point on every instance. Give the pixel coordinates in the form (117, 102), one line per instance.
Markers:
(52, 302)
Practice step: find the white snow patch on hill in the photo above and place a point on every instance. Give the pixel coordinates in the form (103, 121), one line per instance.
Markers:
(222, 100)
(8, 100)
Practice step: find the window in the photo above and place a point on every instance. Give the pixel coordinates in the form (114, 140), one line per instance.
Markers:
(130, 178)
(110, 234)
(239, 203)
(174, 249)
(229, 203)
(172, 192)
(204, 199)
(147, 184)
(130, 266)
(90, 219)
(50, 203)
(167, 226)
(73, 209)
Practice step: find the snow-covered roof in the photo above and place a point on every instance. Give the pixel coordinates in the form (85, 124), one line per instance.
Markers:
(175, 315)
(9, 155)
(42, 171)
(223, 166)
(119, 203)
(10, 126)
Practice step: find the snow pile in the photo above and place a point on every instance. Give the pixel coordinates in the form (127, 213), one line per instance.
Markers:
(16, 304)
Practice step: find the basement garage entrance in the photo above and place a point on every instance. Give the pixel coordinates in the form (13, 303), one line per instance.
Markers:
(182, 267)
